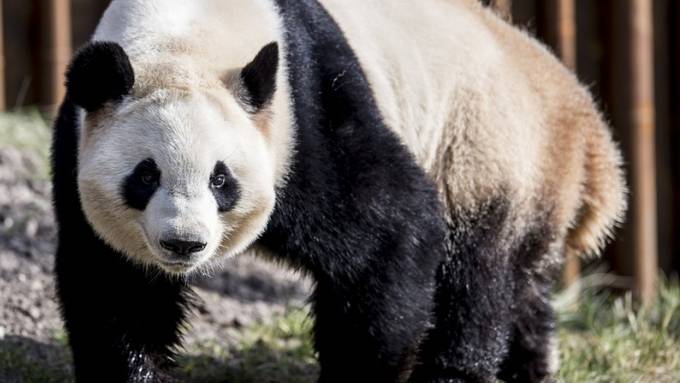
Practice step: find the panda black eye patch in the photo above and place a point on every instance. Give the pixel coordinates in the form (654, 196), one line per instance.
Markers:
(224, 187)
(141, 184)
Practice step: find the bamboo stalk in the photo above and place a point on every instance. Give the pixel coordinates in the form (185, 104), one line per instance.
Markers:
(57, 17)
(642, 116)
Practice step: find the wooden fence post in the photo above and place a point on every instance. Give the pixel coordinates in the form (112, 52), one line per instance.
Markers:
(642, 117)
(563, 22)
(3, 103)
(557, 27)
(566, 32)
(675, 135)
(57, 19)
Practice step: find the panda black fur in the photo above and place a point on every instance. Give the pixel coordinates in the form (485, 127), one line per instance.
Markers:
(416, 277)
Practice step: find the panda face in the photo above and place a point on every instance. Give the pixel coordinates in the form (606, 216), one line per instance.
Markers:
(177, 178)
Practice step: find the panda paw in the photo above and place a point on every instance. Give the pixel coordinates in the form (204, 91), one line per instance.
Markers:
(455, 380)
(155, 377)
(450, 378)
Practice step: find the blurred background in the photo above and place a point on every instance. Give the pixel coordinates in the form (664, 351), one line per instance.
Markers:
(252, 325)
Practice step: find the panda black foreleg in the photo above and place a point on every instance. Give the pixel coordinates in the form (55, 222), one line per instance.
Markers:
(473, 303)
(365, 340)
(368, 326)
(123, 323)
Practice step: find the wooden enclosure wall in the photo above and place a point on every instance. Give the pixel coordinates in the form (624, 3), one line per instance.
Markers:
(38, 37)
(626, 51)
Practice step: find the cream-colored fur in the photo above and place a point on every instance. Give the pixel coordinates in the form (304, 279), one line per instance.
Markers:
(485, 109)
(489, 112)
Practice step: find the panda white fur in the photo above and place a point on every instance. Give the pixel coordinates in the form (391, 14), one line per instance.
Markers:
(426, 163)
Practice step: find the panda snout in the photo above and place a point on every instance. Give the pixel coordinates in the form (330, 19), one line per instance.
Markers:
(182, 247)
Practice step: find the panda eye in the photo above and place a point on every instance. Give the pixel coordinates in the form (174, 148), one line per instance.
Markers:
(141, 184)
(224, 187)
(218, 181)
(149, 178)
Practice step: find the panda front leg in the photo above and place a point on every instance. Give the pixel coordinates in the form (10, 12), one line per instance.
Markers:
(369, 329)
(473, 304)
(123, 322)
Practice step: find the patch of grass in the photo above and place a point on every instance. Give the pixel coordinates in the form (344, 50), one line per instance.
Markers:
(27, 130)
(24, 360)
(277, 352)
(60, 337)
(604, 338)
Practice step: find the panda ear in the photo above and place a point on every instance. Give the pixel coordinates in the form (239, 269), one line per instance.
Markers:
(100, 72)
(258, 78)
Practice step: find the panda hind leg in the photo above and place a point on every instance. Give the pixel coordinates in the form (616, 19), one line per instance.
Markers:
(473, 313)
(533, 354)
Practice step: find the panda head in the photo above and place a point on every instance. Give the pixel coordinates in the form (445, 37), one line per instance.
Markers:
(174, 174)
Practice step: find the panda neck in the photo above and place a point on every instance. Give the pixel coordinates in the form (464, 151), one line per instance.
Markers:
(351, 185)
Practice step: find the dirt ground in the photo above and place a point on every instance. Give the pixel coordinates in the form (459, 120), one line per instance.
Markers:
(33, 344)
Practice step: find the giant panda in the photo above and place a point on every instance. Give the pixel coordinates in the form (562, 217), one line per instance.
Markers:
(427, 164)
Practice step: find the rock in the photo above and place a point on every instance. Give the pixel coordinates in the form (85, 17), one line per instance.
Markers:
(31, 228)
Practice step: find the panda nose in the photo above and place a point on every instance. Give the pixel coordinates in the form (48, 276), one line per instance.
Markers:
(181, 247)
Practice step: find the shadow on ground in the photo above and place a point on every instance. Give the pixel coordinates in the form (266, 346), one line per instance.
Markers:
(254, 278)
(259, 364)
(24, 360)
